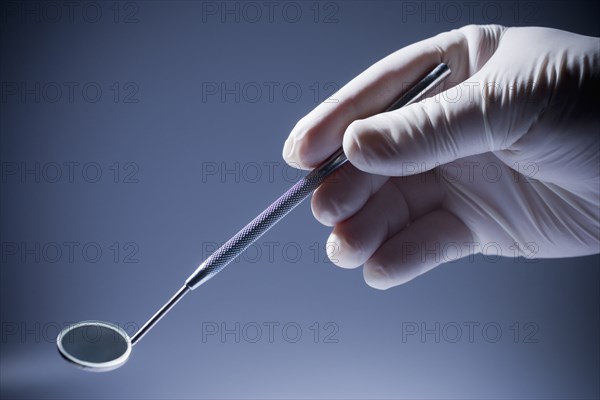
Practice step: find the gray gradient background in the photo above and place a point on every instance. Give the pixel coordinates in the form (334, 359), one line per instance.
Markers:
(172, 215)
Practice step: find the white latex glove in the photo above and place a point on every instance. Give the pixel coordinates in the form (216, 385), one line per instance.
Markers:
(506, 161)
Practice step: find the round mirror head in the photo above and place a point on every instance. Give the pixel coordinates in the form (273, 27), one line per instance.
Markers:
(94, 345)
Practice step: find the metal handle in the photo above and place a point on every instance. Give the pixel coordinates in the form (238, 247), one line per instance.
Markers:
(294, 196)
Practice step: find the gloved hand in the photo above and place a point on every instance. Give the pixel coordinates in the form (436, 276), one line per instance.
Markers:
(505, 161)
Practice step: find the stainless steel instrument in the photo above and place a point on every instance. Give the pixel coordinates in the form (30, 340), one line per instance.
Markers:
(101, 355)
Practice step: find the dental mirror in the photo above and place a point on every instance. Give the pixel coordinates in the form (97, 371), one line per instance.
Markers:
(94, 345)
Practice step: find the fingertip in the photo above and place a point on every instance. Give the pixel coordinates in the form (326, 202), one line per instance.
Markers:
(312, 139)
(294, 154)
(376, 276)
(287, 151)
(331, 248)
(295, 147)
(342, 253)
(321, 214)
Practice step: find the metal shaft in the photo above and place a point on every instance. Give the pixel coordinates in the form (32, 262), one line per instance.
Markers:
(159, 314)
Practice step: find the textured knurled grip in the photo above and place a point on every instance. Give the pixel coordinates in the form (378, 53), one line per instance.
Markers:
(258, 226)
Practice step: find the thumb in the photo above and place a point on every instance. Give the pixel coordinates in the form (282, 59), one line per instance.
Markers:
(421, 136)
